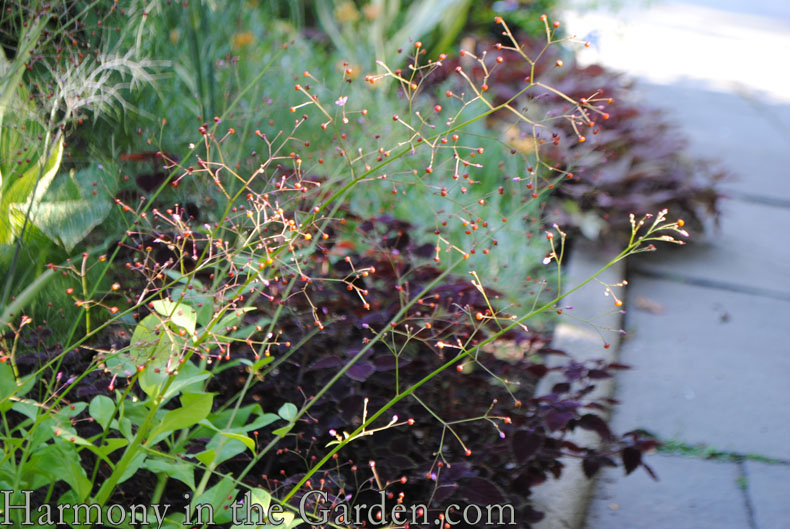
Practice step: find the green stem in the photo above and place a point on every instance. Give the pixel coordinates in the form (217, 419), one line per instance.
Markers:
(161, 481)
(85, 297)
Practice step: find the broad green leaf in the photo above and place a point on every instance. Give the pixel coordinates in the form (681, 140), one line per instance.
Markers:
(67, 222)
(180, 314)
(254, 497)
(174, 521)
(233, 317)
(134, 466)
(188, 380)
(72, 410)
(109, 446)
(8, 386)
(102, 409)
(248, 442)
(217, 496)
(194, 408)
(68, 434)
(206, 457)
(260, 421)
(150, 342)
(152, 347)
(180, 470)
(288, 412)
(26, 296)
(28, 408)
(224, 449)
(220, 419)
(24, 191)
(60, 461)
(124, 426)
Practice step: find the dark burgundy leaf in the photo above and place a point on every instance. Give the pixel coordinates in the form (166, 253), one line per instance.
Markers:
(593, 422)
(426, 250)
(444, 491)
(598, 374)
(457, 471)
(328, 362)
(557, 419)
(525, 444)
(361, 370)
(538, 370)
(648, 444)
(552, 351)
(530, 515)
(616, 365)
(570, 445)
(632, 457)
(574, 370)
(591, 466)
(389, 362)
(480, 491)
(562, 387)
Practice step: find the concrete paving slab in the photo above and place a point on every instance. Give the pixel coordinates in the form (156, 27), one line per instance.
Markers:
(768, 491)
(739, 132)
(690, 494)
(750, 251)
(710, 366)
(666, 41)
(711, 65)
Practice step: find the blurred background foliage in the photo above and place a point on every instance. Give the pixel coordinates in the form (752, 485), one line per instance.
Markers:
(180, 65)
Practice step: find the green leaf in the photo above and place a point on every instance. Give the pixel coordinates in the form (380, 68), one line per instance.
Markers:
(194, 408)
(180, 470)
(102, 409)
(233, 317)
(264, 360)
(248, 442)
(282, 432)
(28, 408)
(60, 461)
(288, 412)
(7, 385)
(68, 434)
(110, 445)
(217, 497)
(24, 191)
(72, 410)
(26, 296)
(134, 465)
(152, 347)
(286, 519)
(259, 422)
(206, 457)
(67, 222)
(180, 314)
(150, 342)
(254, 497)
(188, 380)
(224, 449)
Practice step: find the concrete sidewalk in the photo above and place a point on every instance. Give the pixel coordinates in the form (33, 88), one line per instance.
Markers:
(711, 342)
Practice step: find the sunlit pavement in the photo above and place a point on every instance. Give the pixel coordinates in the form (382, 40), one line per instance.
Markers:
(712, 351)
